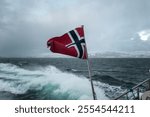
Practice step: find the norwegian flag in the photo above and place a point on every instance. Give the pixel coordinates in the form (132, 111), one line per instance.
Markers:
(71, 43)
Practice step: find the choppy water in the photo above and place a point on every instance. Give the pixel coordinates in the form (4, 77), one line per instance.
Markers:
(58, 78)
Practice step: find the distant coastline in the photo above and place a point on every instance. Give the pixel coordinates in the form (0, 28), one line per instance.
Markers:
(107, 54)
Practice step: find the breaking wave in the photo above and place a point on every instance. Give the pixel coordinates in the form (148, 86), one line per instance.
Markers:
(46, 83)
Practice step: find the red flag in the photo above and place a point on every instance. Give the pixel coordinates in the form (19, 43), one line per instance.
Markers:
(71, 43)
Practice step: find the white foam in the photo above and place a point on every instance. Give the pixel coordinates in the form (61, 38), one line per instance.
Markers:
(76, 86)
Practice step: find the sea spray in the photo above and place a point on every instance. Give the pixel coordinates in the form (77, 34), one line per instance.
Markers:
(49, 81)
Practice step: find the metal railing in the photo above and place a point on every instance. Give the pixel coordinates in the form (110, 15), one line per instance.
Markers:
(135, 89)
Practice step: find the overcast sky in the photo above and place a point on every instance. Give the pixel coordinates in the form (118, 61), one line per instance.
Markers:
(110, 25)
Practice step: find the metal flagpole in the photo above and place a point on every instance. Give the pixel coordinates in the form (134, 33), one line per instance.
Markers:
(92, 86)
(90, 77)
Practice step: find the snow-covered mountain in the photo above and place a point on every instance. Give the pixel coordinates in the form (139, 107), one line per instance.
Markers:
(111, 54)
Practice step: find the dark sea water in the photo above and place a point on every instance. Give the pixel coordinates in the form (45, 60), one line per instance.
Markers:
(67, 79)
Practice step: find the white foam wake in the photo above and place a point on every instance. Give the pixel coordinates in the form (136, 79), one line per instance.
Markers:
(18, 81)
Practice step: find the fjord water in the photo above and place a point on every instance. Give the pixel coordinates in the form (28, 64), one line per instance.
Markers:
(67, 78)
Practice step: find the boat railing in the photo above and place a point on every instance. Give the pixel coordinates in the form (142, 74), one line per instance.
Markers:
(135, 91)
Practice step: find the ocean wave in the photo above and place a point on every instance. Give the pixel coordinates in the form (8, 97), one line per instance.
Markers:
(45, 81)
(108, 79)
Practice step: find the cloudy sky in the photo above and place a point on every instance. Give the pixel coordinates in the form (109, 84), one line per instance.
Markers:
(110, 25)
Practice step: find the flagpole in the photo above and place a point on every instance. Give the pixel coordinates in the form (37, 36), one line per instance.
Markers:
(89, 70)
(90, 77)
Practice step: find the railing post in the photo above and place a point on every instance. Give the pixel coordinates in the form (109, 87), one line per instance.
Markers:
(149, 84)
(138, 93)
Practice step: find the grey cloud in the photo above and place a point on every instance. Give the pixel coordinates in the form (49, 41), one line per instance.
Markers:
(25, 25)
